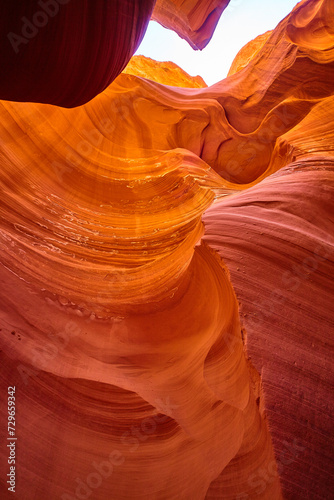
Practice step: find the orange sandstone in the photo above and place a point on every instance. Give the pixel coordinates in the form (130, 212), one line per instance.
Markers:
(166, 260)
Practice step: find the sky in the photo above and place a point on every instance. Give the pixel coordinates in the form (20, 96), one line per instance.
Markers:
(241, 21)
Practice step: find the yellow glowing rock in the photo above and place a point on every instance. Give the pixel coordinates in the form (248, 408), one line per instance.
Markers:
(167, 73)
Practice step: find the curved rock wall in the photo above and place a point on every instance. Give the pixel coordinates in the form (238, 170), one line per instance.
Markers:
(193, 20)
(166, 262)
(65, 52)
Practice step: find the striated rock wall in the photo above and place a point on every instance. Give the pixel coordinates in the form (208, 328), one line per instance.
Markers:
(193, 20)
(65, 52)
(166, 262)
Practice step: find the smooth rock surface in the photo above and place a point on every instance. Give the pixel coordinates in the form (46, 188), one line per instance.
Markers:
(166, 280)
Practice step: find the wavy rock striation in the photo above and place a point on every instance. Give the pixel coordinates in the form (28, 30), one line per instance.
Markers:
(154, 319)
(166, 256)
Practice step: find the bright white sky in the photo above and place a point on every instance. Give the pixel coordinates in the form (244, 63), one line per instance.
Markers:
(241, 21)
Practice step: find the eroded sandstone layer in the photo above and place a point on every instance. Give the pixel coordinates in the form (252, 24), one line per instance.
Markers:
(65, 52)
(167, 73)
(193, 20)
(166, 263)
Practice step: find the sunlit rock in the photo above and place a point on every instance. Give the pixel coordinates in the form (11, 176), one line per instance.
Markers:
(248, 52)
(167, 73)
(166, 262)
(193, 20)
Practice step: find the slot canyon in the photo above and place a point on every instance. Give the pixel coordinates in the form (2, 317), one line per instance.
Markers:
(166, 257)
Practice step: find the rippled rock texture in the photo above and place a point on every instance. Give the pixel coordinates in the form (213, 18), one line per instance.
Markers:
(166, 264)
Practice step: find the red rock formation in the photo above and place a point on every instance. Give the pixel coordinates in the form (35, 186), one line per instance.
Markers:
(50, 47)
(193, 20)
(248, 52)
(64, 52)
(276, 240)
(139, 325)
(158, 352)
(167, 73)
